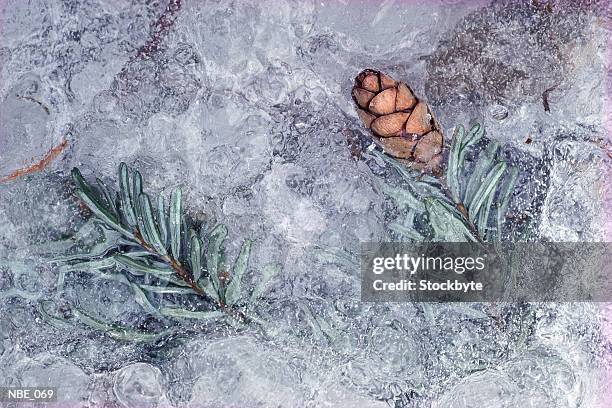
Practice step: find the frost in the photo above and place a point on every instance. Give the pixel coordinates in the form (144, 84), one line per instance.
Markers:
(247, 106)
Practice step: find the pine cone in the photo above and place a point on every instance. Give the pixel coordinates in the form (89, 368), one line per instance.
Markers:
(401, 123)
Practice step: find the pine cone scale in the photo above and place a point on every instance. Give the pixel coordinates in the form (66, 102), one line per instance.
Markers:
(428, 146)
(363, 97)
(398, 147)
(420, 120)
(405, 98)
(386, 81)
(366, 117)
(384, 102)
(370, 83)
(389, 125)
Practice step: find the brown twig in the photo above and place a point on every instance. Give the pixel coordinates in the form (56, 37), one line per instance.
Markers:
(160, 29)
(463, 211)
(187, 277)
(38, 166)
(181, 272)
(545, 101)
(36, 101)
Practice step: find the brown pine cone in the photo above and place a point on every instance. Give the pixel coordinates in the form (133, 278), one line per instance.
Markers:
(402, 124)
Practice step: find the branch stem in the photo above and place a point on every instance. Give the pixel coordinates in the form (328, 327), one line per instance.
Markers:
(462, 210)
(186, 277)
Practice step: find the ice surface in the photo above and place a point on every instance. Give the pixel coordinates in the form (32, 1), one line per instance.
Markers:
(247, 106)
(139, 384)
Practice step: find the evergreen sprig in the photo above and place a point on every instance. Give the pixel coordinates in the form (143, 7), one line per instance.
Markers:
(156, 249)
(467, 205)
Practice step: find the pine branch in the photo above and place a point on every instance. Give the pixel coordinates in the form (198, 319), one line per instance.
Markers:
(163, 245)
(137, 220)
(463, 203)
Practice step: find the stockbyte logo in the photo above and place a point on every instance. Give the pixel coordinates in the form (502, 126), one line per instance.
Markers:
(427, 285)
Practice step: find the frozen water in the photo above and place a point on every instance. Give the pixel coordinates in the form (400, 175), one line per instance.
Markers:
(139, 384)
(566, 210)
(247, 105)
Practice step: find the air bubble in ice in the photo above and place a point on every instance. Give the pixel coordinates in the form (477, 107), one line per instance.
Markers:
(138, 384)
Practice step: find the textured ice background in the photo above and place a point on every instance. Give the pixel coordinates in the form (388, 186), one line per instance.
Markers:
(247, 105)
